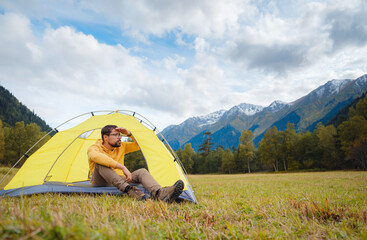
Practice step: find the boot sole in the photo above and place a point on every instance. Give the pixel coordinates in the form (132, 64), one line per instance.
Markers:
(179, 186)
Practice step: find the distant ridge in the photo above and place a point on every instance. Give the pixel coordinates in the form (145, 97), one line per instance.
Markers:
(320, 105)
(12, 111)
(343, 114)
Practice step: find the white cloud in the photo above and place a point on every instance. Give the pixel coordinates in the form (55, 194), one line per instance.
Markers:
(71, 71)
(170, 62)
(14, 50)
(202, 18)
(209, 54)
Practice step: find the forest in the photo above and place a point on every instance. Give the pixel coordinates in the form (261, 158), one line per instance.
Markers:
(15, 141)
(341, 145)
(330, 147)
(327, 148)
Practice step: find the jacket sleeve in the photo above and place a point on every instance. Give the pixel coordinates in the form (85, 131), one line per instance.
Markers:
(131, 146)
(96, 156)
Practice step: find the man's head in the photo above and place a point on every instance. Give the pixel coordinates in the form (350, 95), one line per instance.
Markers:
(110, 136)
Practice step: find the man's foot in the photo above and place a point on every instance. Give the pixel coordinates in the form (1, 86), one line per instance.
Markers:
(169, 194)
(136, 193)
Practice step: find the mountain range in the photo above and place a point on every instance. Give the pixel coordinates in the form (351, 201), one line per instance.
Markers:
(320, 105)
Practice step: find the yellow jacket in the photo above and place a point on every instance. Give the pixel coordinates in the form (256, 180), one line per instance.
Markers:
(97, 153)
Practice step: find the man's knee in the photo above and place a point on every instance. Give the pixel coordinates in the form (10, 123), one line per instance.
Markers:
(142, 171)
(99, 166)
(103, 170)
(139, 174)
(99, 175)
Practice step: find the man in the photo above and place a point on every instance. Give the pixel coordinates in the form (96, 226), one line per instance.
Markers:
(106, 163)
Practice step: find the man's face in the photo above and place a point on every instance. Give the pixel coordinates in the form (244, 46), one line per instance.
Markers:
(114, 139)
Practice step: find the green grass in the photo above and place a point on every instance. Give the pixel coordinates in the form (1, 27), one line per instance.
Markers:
(318, 205)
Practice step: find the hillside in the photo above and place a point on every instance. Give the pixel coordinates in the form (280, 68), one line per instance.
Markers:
(320, 105)
(12, 111)
(343, 113)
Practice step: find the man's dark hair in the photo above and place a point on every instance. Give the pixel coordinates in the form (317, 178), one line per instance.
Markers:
(106, 130)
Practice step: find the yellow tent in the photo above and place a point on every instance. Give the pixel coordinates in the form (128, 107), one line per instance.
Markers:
(61, 165)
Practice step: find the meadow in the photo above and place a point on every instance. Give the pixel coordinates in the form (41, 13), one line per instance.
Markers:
(315, 205)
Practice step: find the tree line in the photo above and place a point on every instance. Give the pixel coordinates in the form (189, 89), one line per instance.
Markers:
(15, 141)
(327, 147)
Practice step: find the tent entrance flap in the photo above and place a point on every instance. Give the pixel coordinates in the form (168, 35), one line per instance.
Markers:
(63, 159)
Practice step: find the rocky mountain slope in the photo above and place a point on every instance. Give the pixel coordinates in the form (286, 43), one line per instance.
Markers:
(320, 105)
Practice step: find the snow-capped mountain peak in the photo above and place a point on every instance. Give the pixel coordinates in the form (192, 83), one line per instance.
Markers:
(250, 109)
(332, 87)
(210, 118)
(203, 120)
(276, 106)
(333, 95)
(361, 80)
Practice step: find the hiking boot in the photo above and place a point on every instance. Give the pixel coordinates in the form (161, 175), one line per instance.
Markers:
(169, 194)
(136, 193)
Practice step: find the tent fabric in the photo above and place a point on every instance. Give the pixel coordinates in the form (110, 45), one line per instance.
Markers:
(63, 160)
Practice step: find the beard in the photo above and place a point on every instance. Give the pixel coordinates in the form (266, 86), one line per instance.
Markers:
(116, 144)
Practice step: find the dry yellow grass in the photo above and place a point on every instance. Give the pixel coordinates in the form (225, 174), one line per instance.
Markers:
(320, 205)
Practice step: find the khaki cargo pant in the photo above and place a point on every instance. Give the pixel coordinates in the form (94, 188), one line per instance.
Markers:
(104, 176)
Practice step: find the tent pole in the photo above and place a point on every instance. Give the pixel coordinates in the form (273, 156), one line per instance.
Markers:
(44, 180)
(154, 128)
(83, 115)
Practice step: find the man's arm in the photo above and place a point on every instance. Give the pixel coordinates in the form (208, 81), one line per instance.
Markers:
(129, 146)
(95, 156)
(123, 131)
(126, 171)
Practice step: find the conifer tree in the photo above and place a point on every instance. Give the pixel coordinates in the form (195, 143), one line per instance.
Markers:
(207, 144)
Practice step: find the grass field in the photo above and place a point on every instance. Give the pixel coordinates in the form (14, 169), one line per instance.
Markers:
(319, 205)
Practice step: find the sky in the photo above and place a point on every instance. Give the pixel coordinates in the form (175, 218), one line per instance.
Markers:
(169, 60)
